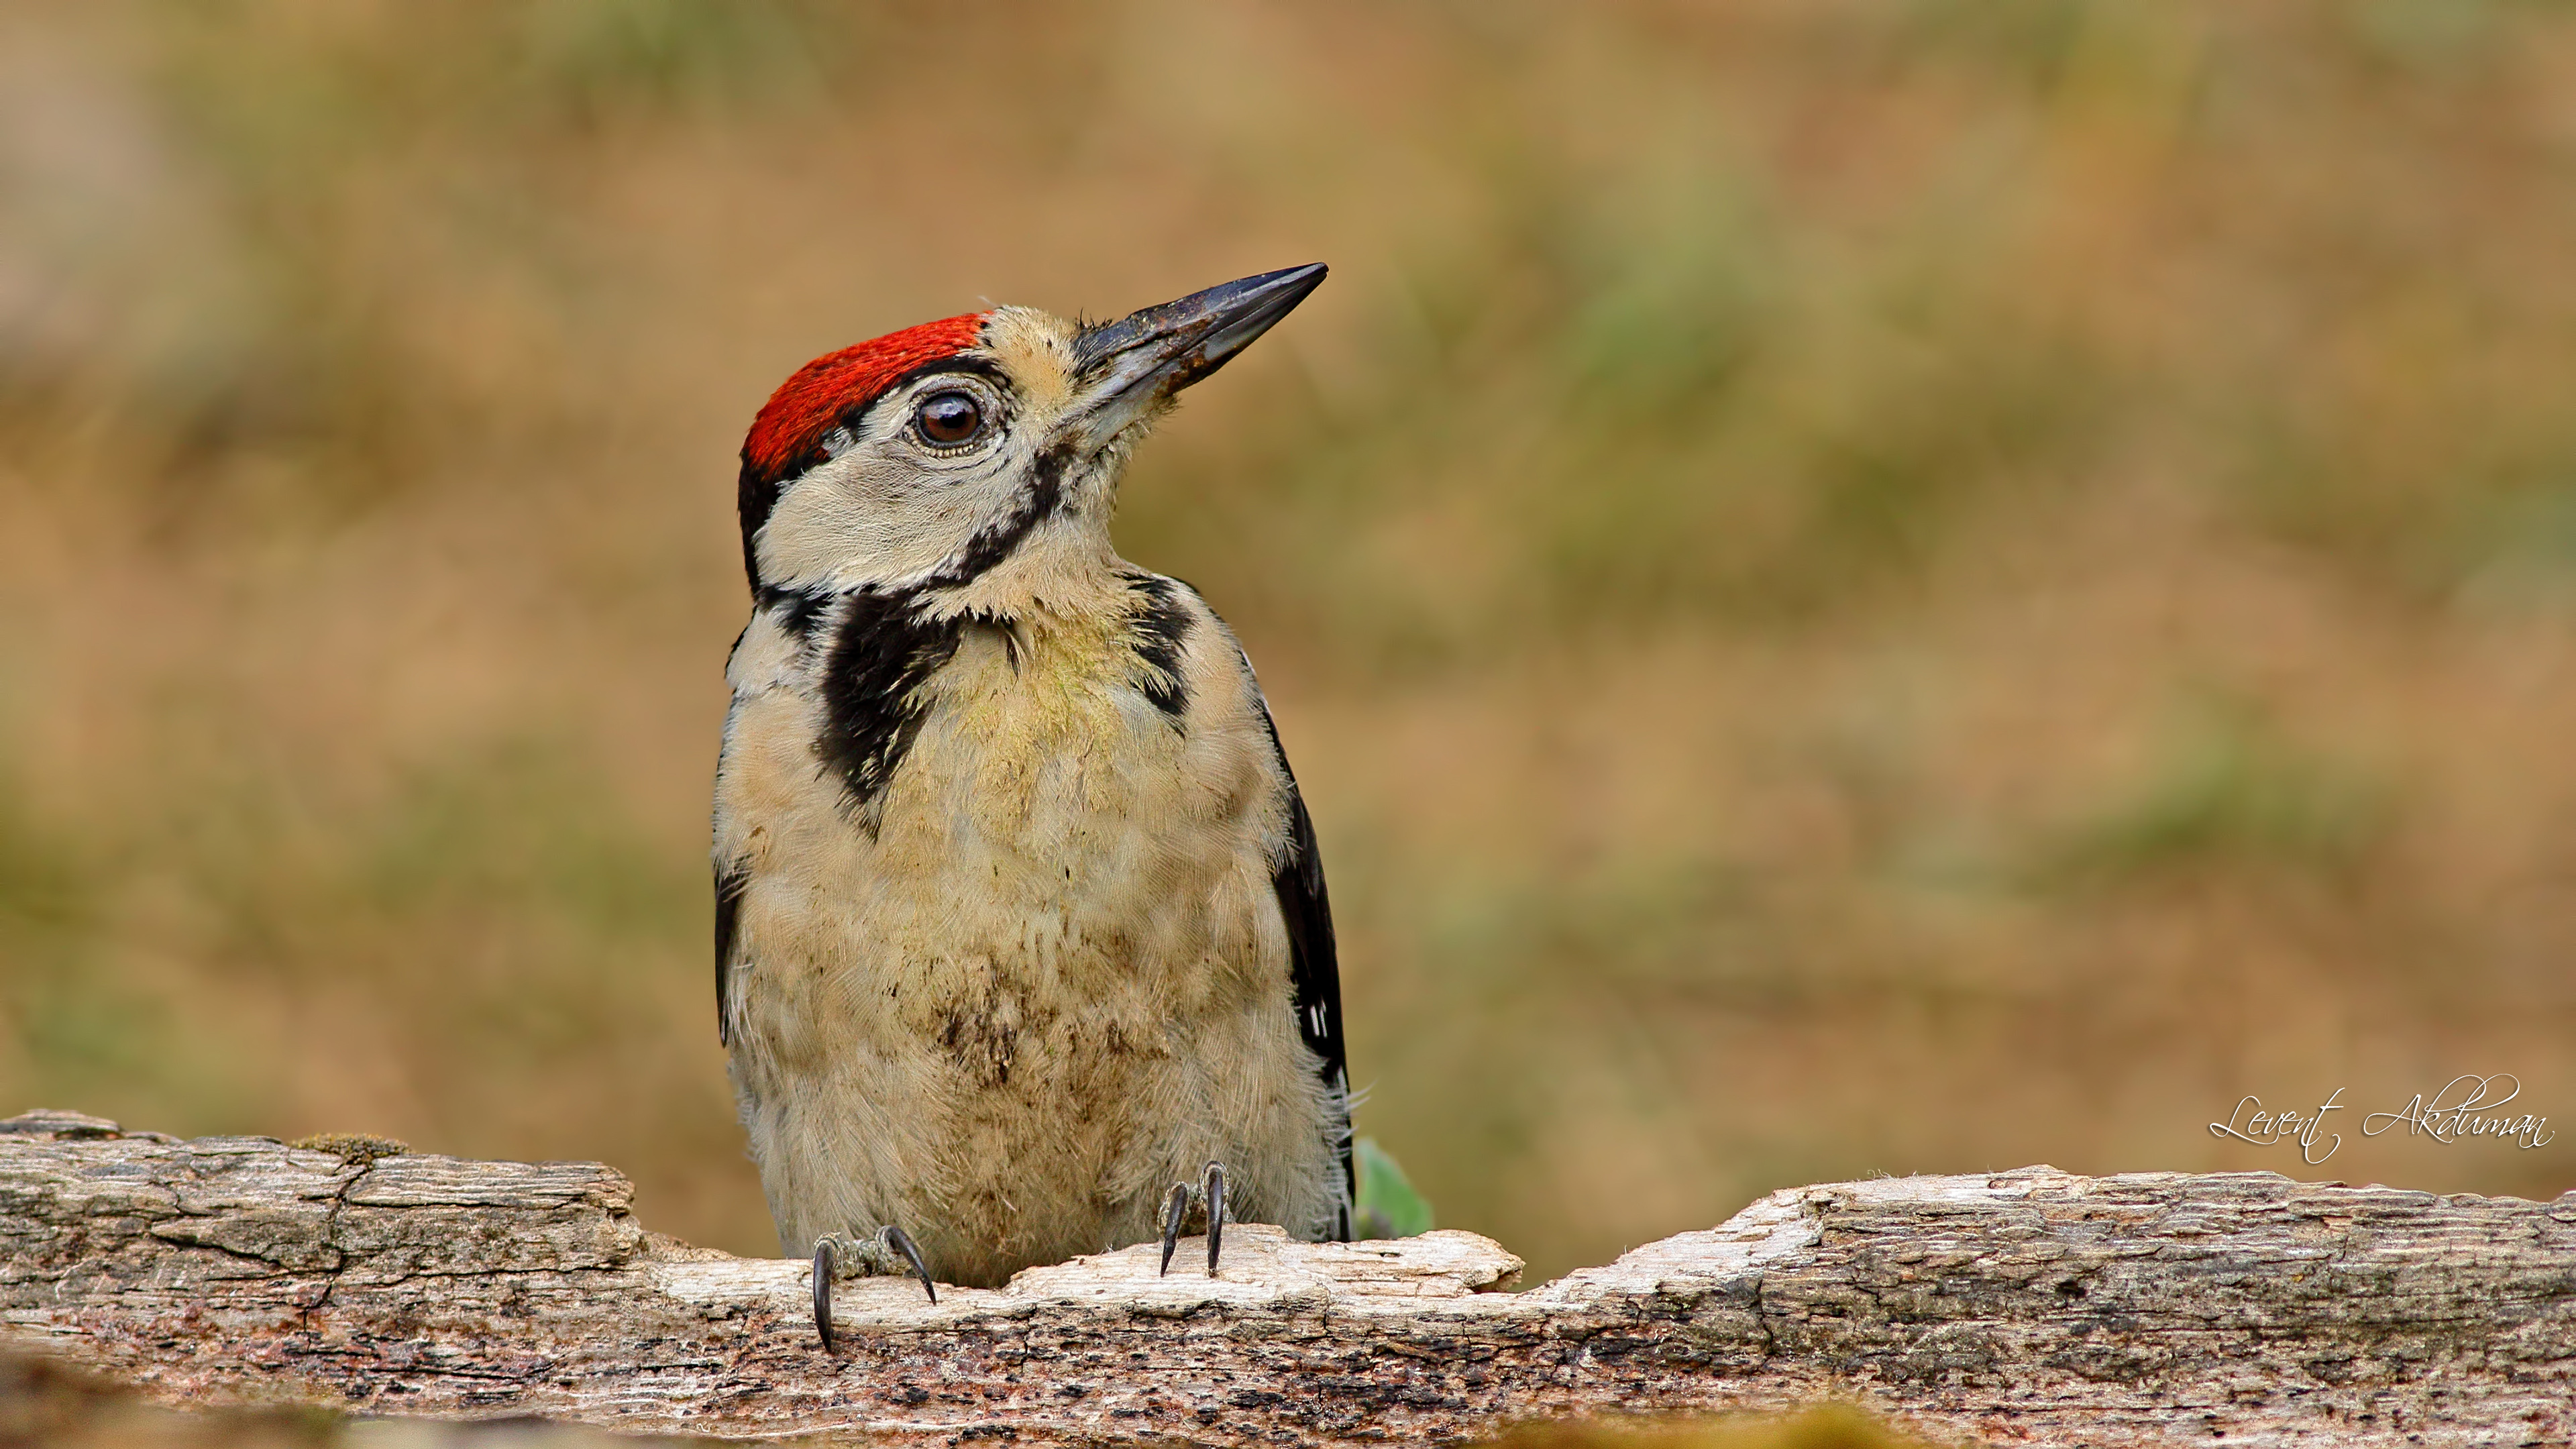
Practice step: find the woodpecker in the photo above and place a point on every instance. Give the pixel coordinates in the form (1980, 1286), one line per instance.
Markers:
(1022, 943)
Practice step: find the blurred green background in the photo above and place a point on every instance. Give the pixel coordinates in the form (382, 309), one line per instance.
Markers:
(1856, 585)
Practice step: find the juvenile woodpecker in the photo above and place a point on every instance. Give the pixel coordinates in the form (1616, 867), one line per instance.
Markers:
(1022, 946)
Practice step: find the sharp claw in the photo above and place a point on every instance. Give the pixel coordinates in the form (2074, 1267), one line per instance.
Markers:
(1216, 1213)
(901, 1242)
(1172, 1222)
(823, 1291)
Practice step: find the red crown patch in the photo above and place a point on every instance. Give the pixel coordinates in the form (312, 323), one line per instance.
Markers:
(812, 401)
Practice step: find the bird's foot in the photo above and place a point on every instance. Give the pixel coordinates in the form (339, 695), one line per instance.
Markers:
(1204, 1200)
(888, 1252)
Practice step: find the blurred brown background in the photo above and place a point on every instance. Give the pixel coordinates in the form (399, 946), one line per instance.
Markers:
(1857, 585)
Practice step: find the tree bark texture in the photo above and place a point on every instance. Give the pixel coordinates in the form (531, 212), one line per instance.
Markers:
(2022, 1307)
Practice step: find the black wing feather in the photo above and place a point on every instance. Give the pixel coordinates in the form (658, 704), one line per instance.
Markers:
(1314, 971)
(729, 885)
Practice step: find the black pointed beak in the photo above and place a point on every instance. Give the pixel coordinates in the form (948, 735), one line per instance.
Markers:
(1132, 363)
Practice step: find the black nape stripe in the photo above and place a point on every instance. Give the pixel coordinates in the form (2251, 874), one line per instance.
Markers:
(755, 497)
(1160, 625)
(884, 650)
(799, 611)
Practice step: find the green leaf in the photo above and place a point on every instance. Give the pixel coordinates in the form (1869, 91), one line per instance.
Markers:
(1388, 1206)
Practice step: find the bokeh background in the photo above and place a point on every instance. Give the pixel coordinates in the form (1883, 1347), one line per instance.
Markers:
(1857, 585)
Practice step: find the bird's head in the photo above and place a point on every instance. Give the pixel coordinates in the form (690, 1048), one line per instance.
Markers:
(974, 459)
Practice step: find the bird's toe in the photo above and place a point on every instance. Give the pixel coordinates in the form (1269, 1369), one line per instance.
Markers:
(888, 1252)
(1203, 1200)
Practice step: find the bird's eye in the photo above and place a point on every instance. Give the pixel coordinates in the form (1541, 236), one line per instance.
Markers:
(949, 418)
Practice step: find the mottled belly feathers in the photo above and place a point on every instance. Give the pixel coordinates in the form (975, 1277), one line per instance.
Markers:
(1008, 951)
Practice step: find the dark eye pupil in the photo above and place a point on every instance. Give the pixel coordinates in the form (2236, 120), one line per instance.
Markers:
(951, 417)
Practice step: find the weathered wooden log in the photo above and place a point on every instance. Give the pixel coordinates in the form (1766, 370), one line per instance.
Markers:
(2018, 1307)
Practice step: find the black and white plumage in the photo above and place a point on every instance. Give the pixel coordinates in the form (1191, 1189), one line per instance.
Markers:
(1019, 915)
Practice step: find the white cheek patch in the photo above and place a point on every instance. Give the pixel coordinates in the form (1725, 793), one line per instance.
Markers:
(837, 519)
(866, 518)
